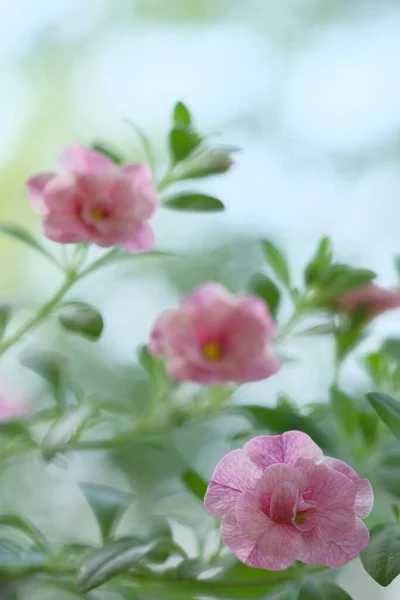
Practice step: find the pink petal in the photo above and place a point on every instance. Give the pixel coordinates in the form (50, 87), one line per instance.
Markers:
(77, 158)
(284, 502)
(266, 450)
(364, 492)
(236, 540)
(250, 325)
(35, 187)
(274, 553)
(141, 238)
(143, 190)
(207, 293)
(275, 475)
(252, 521)
(334, 495)
(252, 367)
(334, 554)
(234, 474)
(157, 340)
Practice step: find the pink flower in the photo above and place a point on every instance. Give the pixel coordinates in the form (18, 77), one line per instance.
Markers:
(12, 406)
(214, 337)
(374, 298)
(281, 501)
(93, 200)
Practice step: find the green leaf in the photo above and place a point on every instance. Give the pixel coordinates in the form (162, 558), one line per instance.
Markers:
(108, 505)
(368, 423)
(64, 431)
(82, 319)
(396, 513)
(322, 590)
(48, 366)
(20, 234)
(210, 161)
(279, 421)
(105, 149)
(189, 569)
(344, 411)
(391, 347)
(277, 261)
(265, 288)
(114, 558)
(182, 142)
(182, 117)
(381, 557)
(320, 262)
(388, 410)
(194, 202)
(194, 483)
(389, 472)
(375, 364)
(340, 278)
(27, 528)
(321, 329)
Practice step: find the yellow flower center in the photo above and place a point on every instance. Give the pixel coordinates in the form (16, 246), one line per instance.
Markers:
(299, 518)
(96, 213)
(212, 351)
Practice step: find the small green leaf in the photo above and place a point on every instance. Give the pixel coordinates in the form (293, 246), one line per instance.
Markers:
(396, 513)
(64, 431)
(344, 411)
(182, 117)
(194, 483)
(388, 409)
(265, 288)
(194, 202)
(108, 505)
(24, 236)
(322, 590)
(105, 149)
(210, 161)
(320, 261)
(277, 261)
(82, 319)
(321, 329)
(279, 421)
(182, 142)
(376, 367)
(49, 366)
(114, 558)
(26, 527)
(389, 472)
(189, 569)
(381, 557)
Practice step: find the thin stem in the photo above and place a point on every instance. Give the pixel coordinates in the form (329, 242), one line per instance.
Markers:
(41, 314)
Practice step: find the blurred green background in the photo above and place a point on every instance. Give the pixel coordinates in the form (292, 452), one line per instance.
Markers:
(307, 88)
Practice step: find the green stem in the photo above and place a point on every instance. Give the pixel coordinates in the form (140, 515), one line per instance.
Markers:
(41, 314)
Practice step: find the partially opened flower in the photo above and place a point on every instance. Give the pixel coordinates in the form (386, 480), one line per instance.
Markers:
(90, 199)
(280, 500)
(214, 337)
(12, 405)
(374, 299)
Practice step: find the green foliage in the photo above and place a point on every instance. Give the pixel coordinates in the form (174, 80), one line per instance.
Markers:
(278, 421)
(106, 150)
(277, 262)
(194, 483)
(388, 409)
(82, 319)
(49, 366)
(344, 410)
(389, 472)
(110, 560)
(181, 116)
(108, 505)
(320, 262)
(322, 590)
(265, 288)
(193, 202)
(24, 236)
(381, 557)
(65, 430)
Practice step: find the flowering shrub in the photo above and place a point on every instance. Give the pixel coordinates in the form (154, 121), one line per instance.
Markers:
(284, 506)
